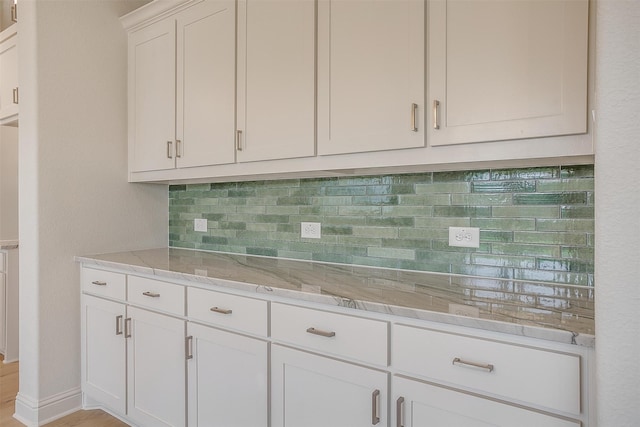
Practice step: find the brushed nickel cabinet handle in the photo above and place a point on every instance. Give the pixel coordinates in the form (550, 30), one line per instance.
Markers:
(189, 347)
(221, 310)
(458, 361)
(239, 140)
(400, 412)
(178, 148)
(127, 327)
(375, 407)
(15, 95)
(14, 13)
(119, 325)
(151, 294)
(414, 112)
(436, 115)
(322, 333)
(99, 283)
(169, 149)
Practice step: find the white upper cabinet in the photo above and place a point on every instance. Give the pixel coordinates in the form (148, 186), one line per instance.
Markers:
(182, 89)
(206, 84)
(152, 107)
(506, 69)
(276, 79)
(370, 75)
(9, 95)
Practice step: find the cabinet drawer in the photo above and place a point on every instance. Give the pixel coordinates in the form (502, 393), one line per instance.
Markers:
(157, 295)
(103, 283)
(229, 311)
(331, 333)
(534, 376)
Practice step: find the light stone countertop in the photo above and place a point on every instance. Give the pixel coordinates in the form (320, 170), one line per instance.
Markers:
(540, 310)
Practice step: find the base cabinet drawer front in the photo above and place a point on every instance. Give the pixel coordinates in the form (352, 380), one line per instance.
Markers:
(156, 295)
(331, 333)
(228, 311)
(103, 283)
(314, 391)
(417, 404)
(534, 376)
(227, 379)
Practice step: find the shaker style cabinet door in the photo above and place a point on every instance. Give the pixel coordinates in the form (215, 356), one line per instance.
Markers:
(417, 404)
(227, 379)
(503, 70)
(9, 95)
(314, 391)
(152, 106)
(276, 79)
(206, 84)
(370, 75)
(104, 352)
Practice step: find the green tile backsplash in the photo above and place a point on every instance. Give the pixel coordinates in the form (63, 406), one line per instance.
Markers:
(536, 223)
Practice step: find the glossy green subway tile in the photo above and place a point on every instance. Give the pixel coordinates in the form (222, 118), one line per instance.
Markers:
(249, 209)
(478, 175)
(443, 245)
(550, 198)
(381, 232)
(333, 201)
(518, 224)
(423, 233)
(525, 250)
(577, 252)
(550, 238)
(284, 253)
(391, 221)
(262, 251)
(462, 211)
(439, 257)
(405, 211)
(525, 211)
(585, 184)
(176, 188)
(591, 240)
(233, 201)
(318, 182)
(488, 199)
(347, 191)
(503, 187)
(282, 210)
(586, 225)
(295, 201)
(395, 189)
(272, 192)
(224, 185)
(365, 180)
(577, 212)
(351, 240)
(496, 236)
(419, 178)
(345, 220)
(525, 173)
(272, 218)
(578, 171)
(359, 210)
(580, 279)
(337, 229)
(177, 202)
(564, 265)
(375, 200)
(503, 260)
(241, 192)
(207, 201)
(215, 240)
(431, 199)
(287, 228)
(406, 243)
(262, 227)
(443, 187)
(437, 222)
(232, 225)
(307, 191)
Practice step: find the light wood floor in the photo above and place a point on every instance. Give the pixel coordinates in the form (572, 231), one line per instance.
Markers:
(9, 389)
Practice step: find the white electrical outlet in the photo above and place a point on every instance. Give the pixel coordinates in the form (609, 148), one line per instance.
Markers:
(466, 237)
(310, 230)
(200, 224)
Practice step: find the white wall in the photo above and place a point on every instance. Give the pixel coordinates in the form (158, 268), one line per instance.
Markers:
(74, 198)
(617, 213)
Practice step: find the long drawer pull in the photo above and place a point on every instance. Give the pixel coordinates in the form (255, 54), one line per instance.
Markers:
(127, 327)
(414, 112)
(221, 310)
(487, 366)
(322, 333)
(119, 325)
(375, 407)
(436, 118)
(151, 294)
(99, 283)
(189, 347)
(400, 412)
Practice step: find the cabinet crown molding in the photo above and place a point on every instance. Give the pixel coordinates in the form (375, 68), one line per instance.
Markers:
(154, 11)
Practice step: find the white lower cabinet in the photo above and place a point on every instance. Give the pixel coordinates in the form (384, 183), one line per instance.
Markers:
(314, 391)
(227, 379)
(104, 352)
(418, 404)
(156, 374)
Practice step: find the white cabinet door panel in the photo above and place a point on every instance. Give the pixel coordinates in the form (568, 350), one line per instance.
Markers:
(507, 69)
(206, 84)
(276, 79)
(152, 107)
(370, 72)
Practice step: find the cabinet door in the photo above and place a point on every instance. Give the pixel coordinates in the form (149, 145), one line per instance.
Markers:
(152, 99)
(314, 391)
(227, 379)
(3, 312)
(276, 79)
(206, 84)
(507, 69)
(419, 404)
(370, 75)
(156, 365)
(9, 75)
(104, 352)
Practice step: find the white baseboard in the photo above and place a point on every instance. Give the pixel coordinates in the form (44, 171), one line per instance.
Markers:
(34, 413)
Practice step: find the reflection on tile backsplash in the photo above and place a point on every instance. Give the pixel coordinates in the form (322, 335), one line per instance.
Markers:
(536, 223)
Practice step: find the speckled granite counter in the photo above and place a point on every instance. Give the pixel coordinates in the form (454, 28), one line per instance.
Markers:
(539, 310)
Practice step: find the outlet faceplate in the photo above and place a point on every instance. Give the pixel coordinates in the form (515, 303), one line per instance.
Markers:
(310, 230)
(466, 237)
(200, 224)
